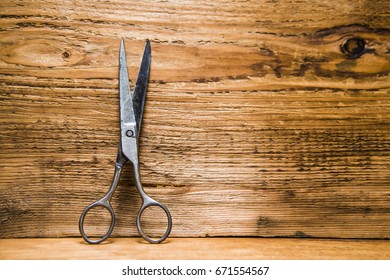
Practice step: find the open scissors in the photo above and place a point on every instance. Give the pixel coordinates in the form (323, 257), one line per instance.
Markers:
(131, 108)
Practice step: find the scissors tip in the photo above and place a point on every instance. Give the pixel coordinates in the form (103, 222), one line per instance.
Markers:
(147, 47)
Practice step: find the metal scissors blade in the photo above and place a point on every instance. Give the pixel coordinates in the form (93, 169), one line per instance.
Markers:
(141, 86)
(132, 108)
(125, 102)
(128, 125)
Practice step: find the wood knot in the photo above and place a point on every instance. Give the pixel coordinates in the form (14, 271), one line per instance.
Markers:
(264, 222)
(65, 55)
(353, 47)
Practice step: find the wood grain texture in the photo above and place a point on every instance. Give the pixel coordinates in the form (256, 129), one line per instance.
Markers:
(256, 123)
(195, 249)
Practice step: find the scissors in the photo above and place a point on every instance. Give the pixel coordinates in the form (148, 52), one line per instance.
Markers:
(131, 108)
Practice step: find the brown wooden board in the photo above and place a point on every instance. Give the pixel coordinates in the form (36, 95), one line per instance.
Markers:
(196, 249)
(257, 121)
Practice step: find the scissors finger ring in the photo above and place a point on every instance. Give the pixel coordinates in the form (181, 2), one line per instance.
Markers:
(147, 203)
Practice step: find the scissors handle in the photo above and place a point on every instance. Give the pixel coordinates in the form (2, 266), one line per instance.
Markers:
(105, 203)
(148, 202)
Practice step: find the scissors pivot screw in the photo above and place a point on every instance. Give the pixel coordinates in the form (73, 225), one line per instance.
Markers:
(130, 133)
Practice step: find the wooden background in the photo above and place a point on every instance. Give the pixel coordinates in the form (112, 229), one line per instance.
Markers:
(256, 123)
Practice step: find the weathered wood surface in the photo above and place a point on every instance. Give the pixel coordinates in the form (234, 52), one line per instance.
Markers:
(256, 123)
(196, 249)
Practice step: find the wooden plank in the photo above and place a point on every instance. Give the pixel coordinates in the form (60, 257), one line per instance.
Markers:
(195, 249)
(256, 123)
